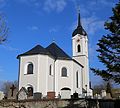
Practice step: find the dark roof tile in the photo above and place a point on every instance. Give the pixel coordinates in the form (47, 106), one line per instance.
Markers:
(57, 52)
(53, 50)
(36, 50)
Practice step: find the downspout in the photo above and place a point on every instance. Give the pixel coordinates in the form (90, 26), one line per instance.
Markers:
(54, 75)
(19, 74)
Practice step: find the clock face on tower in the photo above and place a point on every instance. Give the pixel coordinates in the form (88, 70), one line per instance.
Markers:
(78, 40)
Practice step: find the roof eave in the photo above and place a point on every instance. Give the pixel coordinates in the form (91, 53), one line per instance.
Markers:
(78, 63)
(34, 54)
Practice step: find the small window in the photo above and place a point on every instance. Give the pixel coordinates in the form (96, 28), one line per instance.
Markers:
(30, 68)
(50, 70)
(78, 48)
(64, 72)
(77, 79)
(30, 91)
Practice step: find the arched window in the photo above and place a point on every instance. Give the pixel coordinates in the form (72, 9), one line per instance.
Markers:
(78, 48)
(64, 72)
(30, 68)
(30, 91)
(77, 79)
(50, 70)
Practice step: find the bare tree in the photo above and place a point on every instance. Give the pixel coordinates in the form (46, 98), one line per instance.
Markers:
(103, 86)
(97, 88)
(7, 85)
(3, 29)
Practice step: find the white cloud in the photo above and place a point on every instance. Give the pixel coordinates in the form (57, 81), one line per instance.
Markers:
(60, 5)
(9, 48)
(92, 24)
(54, 5)
(3, 3)
(92, 51)
(49, 5)
(33, 3)
(91, 6)
(25, 1)
(98, 4)
(33, 28)
(53, 30)
(106, 2)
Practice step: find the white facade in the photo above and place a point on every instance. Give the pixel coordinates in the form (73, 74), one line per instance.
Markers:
(52, 70)
(42, 81)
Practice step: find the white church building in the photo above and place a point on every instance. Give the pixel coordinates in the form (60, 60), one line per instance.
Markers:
(51, 70)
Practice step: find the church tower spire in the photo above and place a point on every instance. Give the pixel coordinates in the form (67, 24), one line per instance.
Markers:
(79, 22)
(79, 29)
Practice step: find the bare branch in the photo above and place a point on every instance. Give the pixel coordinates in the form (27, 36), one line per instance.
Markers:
(3, 29)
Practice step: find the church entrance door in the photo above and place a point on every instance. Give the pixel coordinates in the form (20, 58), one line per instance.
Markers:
(65, 93)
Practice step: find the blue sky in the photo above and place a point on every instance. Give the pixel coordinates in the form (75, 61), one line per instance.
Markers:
(33, 22)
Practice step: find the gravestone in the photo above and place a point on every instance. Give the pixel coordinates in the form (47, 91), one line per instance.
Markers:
(103, 93)
(108, 96)
(12, 92)
(22, 94)
(59, 96)
(75, 95)
(51, 95)
(97, 96)
(37, 95)
(1, 95)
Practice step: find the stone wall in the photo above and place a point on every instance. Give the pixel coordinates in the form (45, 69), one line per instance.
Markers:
(56, 103)
(42, 103)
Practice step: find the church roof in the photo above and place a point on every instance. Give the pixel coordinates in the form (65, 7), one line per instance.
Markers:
(53, 50)
(79, 29)
(36, 50)
(57, 52)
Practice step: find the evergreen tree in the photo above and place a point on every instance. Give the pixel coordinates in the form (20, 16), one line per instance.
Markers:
(109, 48)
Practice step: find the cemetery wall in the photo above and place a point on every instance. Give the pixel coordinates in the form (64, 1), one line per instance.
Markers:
(42, 103)
(57, 103)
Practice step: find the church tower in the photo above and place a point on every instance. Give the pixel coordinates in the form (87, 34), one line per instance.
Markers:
(80, 51)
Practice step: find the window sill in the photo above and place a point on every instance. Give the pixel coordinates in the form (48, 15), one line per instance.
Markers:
(29, 74)
(51, 75)
(64, 76)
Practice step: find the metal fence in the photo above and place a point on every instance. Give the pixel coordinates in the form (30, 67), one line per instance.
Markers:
(103, 103)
